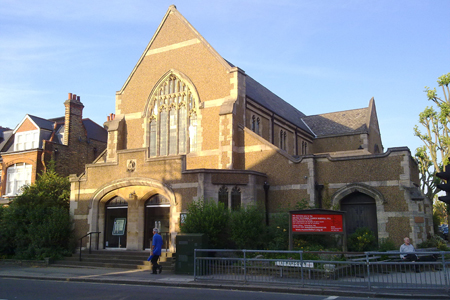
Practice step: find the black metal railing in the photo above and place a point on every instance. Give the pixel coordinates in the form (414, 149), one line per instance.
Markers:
(90, 243)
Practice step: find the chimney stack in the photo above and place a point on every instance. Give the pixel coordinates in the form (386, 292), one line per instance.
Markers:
(73, 123)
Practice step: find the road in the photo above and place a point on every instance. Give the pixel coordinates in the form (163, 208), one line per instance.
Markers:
(27, 289)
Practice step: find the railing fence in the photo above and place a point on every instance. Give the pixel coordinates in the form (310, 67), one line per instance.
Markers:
(371, 270)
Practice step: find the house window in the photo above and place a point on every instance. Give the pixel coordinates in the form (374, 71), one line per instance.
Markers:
(235, 198)
(26, 140)
(17, 176)
(223, 196)
(173, 120)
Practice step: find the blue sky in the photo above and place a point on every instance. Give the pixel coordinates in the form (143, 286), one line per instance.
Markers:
(320, 56)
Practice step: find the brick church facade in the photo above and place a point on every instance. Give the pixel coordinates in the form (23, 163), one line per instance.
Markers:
(190, 125)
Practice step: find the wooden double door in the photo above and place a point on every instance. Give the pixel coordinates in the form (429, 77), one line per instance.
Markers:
(361, 211)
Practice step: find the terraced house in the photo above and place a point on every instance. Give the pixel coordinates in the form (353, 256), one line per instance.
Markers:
(190, 125)
(70, 141)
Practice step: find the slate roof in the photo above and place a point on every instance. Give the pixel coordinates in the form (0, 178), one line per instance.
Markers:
(5, 133)
(42, 123)
(95, 131)
(267, 99)
(339, 123)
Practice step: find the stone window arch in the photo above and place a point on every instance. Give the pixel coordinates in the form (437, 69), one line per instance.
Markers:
(283, 140)
(257, 129)
(172, 116)
(255, 124)
(304, 148)
(235, 198)
(223, 196)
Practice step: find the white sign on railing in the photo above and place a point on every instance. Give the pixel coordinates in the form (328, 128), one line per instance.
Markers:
(294, 264)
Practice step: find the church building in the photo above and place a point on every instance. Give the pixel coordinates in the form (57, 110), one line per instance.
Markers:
(189, 125)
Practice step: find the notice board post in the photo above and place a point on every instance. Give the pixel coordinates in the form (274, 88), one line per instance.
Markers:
(317, 221)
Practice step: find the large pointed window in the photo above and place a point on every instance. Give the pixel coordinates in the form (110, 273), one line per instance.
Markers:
(173, 119)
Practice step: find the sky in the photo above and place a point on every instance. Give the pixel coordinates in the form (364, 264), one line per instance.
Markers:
(321, 56)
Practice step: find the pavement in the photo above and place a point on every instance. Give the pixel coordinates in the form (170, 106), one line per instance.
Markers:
(20, 270)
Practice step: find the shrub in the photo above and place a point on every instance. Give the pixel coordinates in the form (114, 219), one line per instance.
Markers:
(362, 240)
(386, 245)
(278, 232)
(434, 242)
(210, 218)
(37, 223)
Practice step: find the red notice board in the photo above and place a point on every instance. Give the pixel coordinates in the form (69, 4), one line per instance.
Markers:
(317, 223)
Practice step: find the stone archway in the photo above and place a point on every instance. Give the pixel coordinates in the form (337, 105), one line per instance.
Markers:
(360, 212)
(364, 207)
(135, 191)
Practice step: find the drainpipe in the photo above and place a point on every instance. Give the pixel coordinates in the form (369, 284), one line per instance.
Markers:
(266, 201)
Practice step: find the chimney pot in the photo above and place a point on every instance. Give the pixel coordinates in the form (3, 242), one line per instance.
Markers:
(78, 98)
(108, 118)
(74, 97)
(70, 96)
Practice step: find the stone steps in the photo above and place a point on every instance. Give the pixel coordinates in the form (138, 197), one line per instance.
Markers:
(116, 259)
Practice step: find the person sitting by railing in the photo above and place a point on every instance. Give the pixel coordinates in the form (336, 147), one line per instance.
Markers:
(409, 249)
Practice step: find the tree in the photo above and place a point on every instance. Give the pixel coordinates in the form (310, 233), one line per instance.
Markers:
(37, 224)
(434, 154)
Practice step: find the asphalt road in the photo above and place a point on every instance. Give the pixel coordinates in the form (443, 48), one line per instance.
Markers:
(28, 289)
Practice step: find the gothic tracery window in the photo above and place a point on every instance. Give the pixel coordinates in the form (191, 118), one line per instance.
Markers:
(173, 119)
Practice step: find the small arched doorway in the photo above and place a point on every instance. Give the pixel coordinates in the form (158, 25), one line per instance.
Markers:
(157, 214)
(361, 211)
(116, 212)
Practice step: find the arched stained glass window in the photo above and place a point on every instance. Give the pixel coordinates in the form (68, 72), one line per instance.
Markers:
(223, 196)
(173, 119)
(235, 198)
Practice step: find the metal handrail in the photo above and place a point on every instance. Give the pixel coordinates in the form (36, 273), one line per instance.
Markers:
(89, 234)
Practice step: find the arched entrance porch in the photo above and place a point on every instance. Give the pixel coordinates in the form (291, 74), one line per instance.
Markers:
(135, 192)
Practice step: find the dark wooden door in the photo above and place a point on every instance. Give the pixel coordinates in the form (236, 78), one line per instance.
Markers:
(361, 211)
(157, 214)
(116, 210)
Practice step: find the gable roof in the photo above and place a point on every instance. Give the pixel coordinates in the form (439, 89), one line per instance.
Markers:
(173, 11)
(267, 99)
(42, 123)
(347, 122)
